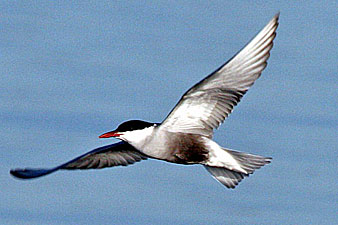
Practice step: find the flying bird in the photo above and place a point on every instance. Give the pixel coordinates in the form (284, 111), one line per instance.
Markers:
(185, 135)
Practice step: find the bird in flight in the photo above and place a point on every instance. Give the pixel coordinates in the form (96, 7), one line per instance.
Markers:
(185, 135)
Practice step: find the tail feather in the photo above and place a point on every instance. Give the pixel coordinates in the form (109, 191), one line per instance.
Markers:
(248, 162)
(225, 176)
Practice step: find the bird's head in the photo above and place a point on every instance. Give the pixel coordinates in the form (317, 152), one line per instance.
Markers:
(131, 131)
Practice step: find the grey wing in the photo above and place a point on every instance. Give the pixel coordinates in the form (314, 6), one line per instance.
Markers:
(121, 155)
(118, 154)
(207, 104)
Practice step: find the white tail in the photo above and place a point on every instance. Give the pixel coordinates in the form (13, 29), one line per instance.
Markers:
(248, 162)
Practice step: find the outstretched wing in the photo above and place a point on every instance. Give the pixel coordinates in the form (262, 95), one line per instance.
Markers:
(206, 105)
(119, 154)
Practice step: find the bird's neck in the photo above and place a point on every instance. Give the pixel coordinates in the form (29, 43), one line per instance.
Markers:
(138, 138)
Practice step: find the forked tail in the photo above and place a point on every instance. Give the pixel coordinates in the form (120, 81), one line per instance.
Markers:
(248, 162)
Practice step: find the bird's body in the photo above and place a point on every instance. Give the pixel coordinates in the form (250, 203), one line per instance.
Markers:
(182, 148)
(185, 135)
(169, 146)
(156, 141)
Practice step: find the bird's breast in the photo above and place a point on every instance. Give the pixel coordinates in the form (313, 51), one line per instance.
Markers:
(178, 148)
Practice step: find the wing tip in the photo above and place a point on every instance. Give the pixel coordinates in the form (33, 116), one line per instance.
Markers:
(30, 173)
(275, 19)
(277, 15)
(19, 173)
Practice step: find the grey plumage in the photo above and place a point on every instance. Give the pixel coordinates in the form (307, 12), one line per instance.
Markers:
(185, 135)
(208, 103)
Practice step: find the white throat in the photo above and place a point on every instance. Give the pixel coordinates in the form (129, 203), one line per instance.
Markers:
(138, 138)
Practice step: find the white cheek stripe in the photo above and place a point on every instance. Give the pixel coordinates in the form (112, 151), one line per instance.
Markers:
(137, 138)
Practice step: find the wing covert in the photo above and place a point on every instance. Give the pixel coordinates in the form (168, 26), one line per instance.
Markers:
(120, 154)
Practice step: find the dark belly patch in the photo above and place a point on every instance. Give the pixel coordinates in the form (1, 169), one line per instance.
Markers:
(188, 149)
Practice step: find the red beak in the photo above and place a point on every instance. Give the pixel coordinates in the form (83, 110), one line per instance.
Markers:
(110, 134)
